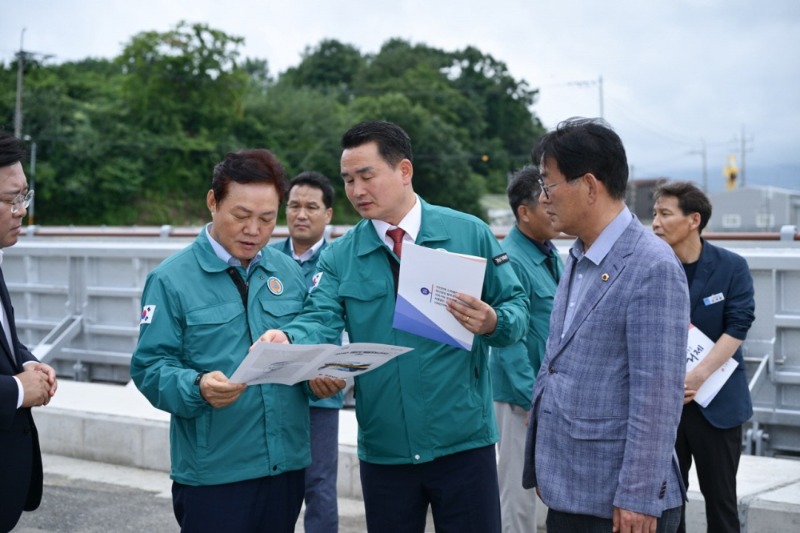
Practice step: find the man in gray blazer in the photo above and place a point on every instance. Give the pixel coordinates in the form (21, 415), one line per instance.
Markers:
(608, 397)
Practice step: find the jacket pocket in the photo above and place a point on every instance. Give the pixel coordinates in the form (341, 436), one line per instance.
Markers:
(598, 428)
(280, 312)
(213, 315)
(208, 333)
(363, 301)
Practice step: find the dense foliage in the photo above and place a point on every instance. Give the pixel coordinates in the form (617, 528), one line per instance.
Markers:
(133, 140)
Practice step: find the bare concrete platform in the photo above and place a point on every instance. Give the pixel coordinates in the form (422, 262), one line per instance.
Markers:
(117, 426)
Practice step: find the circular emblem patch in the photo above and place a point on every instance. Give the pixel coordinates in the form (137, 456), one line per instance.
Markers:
(275, 286)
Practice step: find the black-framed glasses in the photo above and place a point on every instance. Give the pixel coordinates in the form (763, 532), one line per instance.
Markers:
(546, 188)
(20, 202)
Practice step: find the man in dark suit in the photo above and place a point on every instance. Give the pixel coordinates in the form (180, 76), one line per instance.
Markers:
(722, 307)
(24, 381)
(607, 399)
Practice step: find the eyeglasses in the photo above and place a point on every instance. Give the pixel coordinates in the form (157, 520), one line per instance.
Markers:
(546, 188)
(19, 202)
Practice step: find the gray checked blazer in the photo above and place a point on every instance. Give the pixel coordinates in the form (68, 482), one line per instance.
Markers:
(609, 394)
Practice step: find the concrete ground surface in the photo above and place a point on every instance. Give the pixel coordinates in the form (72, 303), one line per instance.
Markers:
(107, 458)
(89, 497)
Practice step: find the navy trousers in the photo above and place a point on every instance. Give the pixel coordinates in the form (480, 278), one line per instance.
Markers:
(461, 490)
(322, 511)
(716, 455)
(558, 522)
(270, 503)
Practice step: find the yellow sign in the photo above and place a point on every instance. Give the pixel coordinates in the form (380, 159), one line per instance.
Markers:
(730, 171)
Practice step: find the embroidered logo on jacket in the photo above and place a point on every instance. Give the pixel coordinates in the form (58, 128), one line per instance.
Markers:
(275, 286)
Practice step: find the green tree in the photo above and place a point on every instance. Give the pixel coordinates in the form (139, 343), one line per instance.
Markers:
(302, 127)
(441, 171)
(184, 81)
(506, 103)
(134, 140)
(182, 92)
(331, 66)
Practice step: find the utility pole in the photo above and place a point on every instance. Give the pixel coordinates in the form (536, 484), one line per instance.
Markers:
(22, 55)
(20, 70)
(704, 154)
(32, 176)
(744, 150)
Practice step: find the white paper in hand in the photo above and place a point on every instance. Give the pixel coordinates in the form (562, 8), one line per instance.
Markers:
(697, 350)
(428, 279)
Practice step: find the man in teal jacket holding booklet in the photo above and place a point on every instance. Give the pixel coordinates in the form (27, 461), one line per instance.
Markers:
(426, 424)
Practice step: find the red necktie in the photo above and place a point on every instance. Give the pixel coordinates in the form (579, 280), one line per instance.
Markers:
(397, 238)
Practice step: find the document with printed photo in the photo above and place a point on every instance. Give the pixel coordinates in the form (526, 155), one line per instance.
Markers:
(428, 279)
(288, 364)
(697, 350)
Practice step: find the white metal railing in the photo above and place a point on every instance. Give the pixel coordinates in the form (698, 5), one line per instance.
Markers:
(77, 304)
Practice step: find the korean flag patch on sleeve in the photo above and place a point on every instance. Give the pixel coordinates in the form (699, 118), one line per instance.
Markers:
(147, 314)
(315, 280)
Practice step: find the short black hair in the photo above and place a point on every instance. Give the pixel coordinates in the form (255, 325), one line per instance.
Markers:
(691, 199)
(12, 150)
(248, 166)
(582, 145)
(315, 180)
(393, 142)
(524, 188)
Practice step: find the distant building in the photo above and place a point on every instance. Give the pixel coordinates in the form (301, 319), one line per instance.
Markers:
(639, 197)
(754, 209)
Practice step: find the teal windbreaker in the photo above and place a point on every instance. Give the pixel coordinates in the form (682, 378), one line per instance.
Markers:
(514, 368)
(197, 323)
(435, 400)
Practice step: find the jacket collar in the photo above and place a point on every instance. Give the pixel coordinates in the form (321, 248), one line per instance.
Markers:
(210, 262)
(613, 266)
(432, 229)
(705, 269)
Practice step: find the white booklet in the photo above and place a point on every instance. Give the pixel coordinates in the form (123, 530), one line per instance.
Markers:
(288, 364)
(699, 346)
(428, 279)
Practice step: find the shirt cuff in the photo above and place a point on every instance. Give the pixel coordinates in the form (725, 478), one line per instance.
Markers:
(20, 392)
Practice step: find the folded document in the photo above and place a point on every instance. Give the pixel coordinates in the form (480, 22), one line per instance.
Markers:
(288, 364)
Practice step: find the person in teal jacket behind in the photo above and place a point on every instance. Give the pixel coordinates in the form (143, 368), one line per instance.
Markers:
(513, 369)
(238, 452)
(309, 209)
(426, 424)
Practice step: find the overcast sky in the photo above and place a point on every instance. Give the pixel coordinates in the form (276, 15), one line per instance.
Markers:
(675, 73)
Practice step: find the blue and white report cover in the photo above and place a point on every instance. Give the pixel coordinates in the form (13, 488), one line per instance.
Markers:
(428, 279)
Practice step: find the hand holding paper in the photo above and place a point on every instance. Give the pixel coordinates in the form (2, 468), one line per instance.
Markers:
(474, 314)
(218, 390)
(326, 387)
(429, 281)
(698, 348)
